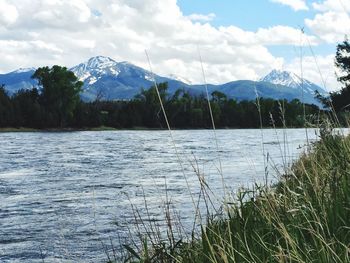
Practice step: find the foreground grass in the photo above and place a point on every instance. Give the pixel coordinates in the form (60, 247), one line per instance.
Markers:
(303, 218)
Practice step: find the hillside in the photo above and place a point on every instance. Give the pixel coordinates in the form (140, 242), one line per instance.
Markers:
(107, 79)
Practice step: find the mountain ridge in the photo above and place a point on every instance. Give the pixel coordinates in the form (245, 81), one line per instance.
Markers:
(109, 79)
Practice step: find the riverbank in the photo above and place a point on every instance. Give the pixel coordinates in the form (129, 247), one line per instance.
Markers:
(24, 129)
(302, 218)
(70, 129)
(106, 128)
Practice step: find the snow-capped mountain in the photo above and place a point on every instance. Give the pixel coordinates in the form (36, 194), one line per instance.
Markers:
(24, 70)
(291, 80)
(95, 68)
(98, 67)
(18, 79)
(104, 78)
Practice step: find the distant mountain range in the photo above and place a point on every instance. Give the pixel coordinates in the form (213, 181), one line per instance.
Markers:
(107, 79)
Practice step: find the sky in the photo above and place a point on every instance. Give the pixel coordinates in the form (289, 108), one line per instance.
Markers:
(236, 39)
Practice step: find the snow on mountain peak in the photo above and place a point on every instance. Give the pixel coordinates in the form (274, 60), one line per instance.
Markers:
(100, 62)
(291, 80)
(23, 70)
(284, 78)
(95, 67)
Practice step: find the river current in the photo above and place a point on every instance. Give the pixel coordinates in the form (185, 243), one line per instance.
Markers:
(67, 196)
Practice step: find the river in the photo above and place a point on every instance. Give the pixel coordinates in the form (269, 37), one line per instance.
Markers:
(67, 196)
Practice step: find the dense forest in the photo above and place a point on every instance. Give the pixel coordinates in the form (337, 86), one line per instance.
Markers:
(57, 105)
(186, 111)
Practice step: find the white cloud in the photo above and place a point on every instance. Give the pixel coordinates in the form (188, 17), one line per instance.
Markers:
(320, 70)
(280, 35)
(8, 13)
(65, 15)
(202, 18)
(330, 26)
(333, 20)
(276, 35)
(67, 32)
(296, 5)
(332, 5)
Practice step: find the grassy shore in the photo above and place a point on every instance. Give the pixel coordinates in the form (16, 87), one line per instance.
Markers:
(70, 129)
(20, 129)
(305, 217)
(24, 129)
(106, 128)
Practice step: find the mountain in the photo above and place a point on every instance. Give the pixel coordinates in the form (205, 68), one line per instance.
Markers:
(291, 80)
(18, 79)
(107, 79)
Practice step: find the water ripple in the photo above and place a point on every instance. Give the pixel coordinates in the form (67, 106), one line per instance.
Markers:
(63, 195)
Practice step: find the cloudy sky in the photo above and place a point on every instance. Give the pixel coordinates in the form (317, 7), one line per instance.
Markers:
(237, 39)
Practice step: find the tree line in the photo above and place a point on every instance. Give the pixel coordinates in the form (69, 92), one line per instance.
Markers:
(51, 106)
(185, 111)
(57, 106)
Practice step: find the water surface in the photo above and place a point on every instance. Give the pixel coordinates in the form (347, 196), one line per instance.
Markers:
(65, 196)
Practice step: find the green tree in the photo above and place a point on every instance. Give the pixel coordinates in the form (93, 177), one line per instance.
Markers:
(219, 97)
(5, 108)
(150, 105)
(340, 100)
(60, 93)
(27, 108)
(342, 61)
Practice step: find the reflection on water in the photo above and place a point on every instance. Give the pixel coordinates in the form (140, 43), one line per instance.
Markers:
(63, 195)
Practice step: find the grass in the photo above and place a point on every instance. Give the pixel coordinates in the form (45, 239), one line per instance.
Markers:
(25, 129)
(305, 217)
(21, 129)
